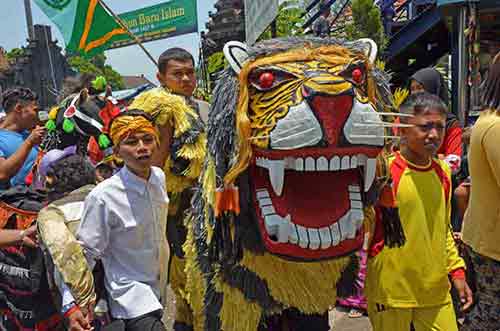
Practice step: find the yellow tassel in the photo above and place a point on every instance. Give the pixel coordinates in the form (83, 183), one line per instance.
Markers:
(53, 113)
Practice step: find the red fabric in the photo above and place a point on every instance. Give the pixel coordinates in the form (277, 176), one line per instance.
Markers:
(452, 143)
(458, 273)
(71, 311)
(94, 151)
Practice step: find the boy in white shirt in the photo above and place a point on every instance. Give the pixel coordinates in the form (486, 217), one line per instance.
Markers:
(124, 225)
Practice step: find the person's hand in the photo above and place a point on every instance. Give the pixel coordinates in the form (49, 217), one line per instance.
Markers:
(28, 237)
(88, 312)
(78, 322)
(36, 136)
(464, 292)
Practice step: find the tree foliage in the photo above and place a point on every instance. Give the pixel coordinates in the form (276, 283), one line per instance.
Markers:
(15, 53)
(289, 21)
(216, 62)
(97, 67)
(366, 23)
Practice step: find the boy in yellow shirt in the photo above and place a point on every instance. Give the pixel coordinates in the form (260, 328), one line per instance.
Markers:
(409, 284)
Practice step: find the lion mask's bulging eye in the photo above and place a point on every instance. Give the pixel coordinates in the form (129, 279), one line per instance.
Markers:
(355, 73)
(267, 79)
(357, 76)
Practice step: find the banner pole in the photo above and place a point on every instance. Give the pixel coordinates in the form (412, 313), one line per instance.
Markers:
(133, 36)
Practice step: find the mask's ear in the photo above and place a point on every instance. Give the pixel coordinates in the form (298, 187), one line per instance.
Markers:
(84, 94)
(371, 49)
(236, 54)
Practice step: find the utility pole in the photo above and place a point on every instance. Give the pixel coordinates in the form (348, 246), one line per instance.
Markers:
(29, 19)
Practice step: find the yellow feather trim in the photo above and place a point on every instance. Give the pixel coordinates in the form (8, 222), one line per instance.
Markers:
(194, 151)
(308, 286)
(166, 108)
(400, 96)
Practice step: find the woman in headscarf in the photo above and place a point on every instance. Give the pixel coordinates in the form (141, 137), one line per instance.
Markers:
(431, 81)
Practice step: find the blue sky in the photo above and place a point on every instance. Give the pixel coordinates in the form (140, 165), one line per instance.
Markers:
(129, 60)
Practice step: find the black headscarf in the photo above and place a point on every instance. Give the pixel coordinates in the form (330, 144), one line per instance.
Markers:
(433, 83)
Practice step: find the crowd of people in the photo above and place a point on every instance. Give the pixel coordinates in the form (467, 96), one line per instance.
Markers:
(112, 215)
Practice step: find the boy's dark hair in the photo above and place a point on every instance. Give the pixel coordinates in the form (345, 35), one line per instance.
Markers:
(490, 92)
(12, 97)
(421, 102)
(175, 53)
(70, 174)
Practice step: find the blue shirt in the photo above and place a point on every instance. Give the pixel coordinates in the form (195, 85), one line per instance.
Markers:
(10, 141)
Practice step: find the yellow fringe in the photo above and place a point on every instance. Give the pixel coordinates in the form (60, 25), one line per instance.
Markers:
(208, 183)
(195, 284)
(178, 283)
(237, 312)
(308, 286)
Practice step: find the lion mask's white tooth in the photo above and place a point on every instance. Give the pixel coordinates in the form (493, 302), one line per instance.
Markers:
(276, 175)
(370, 170)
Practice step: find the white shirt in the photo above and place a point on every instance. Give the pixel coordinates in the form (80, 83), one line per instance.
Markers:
(124, 225)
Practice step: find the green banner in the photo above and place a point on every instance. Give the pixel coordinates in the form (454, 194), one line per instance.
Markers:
(161, 21)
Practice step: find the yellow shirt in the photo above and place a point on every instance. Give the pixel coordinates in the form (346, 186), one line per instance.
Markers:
(481, 227)
(416, 274)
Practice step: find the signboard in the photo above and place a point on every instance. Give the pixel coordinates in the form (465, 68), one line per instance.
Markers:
(161, 21)
(259, 14)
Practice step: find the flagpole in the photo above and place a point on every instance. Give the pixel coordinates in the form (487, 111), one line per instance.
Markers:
(132, 35)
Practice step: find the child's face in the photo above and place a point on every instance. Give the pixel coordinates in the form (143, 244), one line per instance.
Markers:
(427, 134)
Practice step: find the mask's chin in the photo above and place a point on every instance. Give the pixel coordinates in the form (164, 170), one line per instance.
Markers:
(310, 205)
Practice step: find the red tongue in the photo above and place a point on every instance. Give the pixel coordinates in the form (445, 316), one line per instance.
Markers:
(312, 199)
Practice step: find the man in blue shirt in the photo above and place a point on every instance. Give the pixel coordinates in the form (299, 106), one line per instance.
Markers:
(18, 146)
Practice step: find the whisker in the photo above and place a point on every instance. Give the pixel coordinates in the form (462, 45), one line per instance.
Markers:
(395, 114)
(293, 135)
(384, 125)
(284, 131)
(373, 136)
